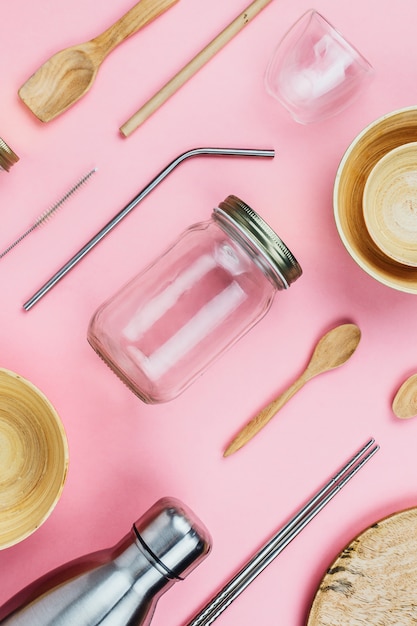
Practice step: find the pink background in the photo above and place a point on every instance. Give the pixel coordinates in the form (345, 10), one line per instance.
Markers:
(124, 455)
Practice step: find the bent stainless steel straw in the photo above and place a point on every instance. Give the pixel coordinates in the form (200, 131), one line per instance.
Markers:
(282, 538)
(236, 152)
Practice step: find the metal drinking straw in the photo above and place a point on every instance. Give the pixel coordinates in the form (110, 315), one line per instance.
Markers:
(247, 152)
(282, 538)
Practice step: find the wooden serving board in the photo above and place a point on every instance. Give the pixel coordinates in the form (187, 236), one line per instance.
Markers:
(374, 580)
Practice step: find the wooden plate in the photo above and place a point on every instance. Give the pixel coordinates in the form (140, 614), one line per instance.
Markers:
(33, 458)
(374, 580)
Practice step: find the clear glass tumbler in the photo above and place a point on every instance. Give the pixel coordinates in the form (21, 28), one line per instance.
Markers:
(314, 72)
(162, 330)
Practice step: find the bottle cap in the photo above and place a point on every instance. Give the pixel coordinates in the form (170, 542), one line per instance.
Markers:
(7, 156)
(236, 217)
(173, 537)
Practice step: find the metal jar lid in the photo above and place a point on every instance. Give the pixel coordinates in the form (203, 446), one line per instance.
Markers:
(277, 260)
(173, 537)
(7, 156)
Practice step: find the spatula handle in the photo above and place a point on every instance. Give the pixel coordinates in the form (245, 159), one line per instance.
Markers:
(141, 14)
(193, 66)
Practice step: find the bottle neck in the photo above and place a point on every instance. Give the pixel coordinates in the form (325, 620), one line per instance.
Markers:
(132, 556)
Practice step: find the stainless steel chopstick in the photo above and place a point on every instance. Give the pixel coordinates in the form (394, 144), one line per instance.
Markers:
(282, 538)
(235, 152)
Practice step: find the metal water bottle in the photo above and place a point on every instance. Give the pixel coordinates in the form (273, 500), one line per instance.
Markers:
(119, 586)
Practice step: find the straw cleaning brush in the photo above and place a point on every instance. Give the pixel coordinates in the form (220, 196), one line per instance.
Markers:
(46, 215)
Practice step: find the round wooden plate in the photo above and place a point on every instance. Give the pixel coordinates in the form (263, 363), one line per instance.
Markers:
(33, 458)
(374, 580)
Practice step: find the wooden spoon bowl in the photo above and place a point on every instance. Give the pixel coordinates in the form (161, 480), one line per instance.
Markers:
(404, 404)
(33, 458)
(64, 78)
(333, 349)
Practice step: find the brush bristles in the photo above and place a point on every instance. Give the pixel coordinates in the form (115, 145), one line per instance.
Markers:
(55, 207)
(46, 215)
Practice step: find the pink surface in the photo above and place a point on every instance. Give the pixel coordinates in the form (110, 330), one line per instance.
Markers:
(124, 455)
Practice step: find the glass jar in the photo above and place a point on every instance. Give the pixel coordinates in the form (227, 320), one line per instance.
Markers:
(7, 156)
(162, 330)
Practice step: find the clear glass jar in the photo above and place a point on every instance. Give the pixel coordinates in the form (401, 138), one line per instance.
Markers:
(162, 330)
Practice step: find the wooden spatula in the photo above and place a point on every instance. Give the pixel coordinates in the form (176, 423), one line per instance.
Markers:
(69, 74)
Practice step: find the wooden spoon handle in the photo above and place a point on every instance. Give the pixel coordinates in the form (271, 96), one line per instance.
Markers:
(141, 14)
(267, 413)
(193, 66)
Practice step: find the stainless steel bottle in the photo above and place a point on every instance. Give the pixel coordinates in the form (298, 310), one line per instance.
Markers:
(119, 586)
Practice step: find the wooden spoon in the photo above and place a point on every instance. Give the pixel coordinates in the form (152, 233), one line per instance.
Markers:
(69, 74)
(333, 349)
(405, 401)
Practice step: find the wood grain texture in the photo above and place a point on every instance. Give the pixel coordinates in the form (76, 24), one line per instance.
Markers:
(374, 580)
(69, 74)
(332, 350)
(390, 204)
(192, 67)
(374, 142)
(33, 458)
(404, 404)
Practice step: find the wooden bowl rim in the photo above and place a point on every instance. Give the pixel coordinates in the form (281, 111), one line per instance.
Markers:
(61, 471)
(380, 267)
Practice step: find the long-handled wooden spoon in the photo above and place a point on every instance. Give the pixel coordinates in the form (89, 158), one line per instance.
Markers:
(405, 401)
(333, 349)
(69, 74)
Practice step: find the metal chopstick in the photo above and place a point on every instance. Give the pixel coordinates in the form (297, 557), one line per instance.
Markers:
(236, 152)
(282, 538)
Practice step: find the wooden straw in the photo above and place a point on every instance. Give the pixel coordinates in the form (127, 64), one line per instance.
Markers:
(193, 66)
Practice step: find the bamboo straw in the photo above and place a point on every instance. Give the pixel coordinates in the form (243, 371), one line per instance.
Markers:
(193, 66)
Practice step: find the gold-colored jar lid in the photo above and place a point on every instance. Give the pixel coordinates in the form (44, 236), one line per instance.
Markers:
(7, 157)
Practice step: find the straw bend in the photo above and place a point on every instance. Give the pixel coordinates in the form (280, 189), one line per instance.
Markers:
(235, 152)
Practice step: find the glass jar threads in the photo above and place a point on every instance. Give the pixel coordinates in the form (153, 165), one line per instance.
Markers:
(7, 157)
(162, 330)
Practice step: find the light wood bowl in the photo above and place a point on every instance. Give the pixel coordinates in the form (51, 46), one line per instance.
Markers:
(374, 579)
(390, 204)
(33, 458)
(374, 142)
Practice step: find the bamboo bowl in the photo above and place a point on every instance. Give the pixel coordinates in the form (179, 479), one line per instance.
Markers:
(33, 458)
(373, 143)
